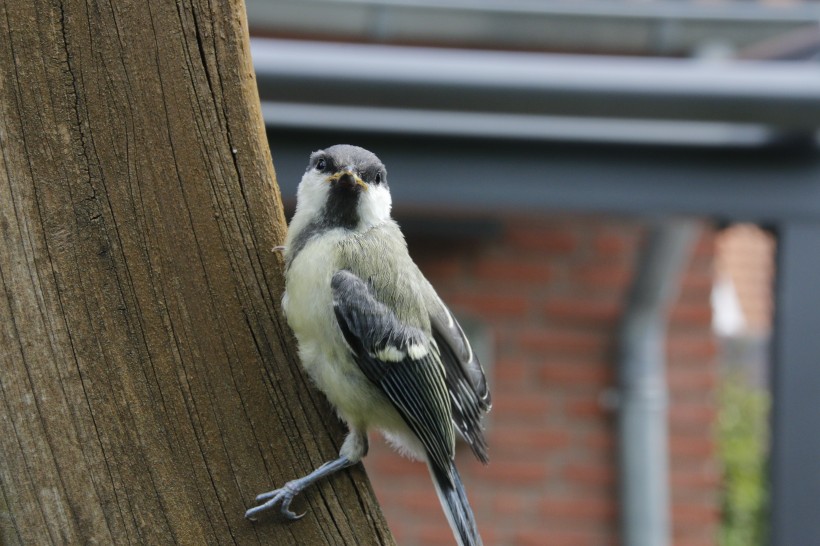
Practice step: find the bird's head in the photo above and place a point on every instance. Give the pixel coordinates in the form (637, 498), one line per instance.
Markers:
(345, 186)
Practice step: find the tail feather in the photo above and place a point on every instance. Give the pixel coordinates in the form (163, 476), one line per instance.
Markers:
(454, 502)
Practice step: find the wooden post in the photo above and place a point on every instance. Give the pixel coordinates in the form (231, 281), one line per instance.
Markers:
(149, 386)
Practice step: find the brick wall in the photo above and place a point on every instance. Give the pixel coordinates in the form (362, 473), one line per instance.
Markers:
(745, 255)
(550, 291)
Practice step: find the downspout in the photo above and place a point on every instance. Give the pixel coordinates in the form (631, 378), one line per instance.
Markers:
(643, 437)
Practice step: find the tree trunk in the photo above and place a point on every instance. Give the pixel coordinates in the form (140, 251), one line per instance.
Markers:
(149, 386)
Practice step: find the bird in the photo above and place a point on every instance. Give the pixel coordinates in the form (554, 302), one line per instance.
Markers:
(374, 336)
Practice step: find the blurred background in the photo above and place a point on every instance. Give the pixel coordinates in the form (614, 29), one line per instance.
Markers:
(596, 188)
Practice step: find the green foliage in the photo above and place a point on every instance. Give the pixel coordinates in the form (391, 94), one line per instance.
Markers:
(743, 429)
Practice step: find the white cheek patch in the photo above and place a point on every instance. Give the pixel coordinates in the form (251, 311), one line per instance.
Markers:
(374, 206)
(310, 199)
(312, 194)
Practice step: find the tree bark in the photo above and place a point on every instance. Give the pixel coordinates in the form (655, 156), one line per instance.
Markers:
(149, 386)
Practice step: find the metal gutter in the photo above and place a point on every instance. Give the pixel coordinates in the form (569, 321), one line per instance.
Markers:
(643, 398)
(400, 121)
(645, 28)
(495, 94)
(733, 11)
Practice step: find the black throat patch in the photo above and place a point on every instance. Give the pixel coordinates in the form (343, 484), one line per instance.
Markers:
(340, 211)
(342, 207)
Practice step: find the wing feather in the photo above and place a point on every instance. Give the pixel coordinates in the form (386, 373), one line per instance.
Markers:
(414, 380)
(466, 381)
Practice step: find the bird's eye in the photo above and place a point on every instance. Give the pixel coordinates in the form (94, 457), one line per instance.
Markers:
(378, 178)
(321, 164)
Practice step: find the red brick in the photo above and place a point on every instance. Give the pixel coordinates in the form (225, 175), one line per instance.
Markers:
(513, 271)
(701, 264)
(694, 514)
(692, 346)
(694, 414)
(441, 270)
(702, 379)
(585, 510)
(509, 504)
(517, 438)
(529, 473)
(587, 408)
(549, 536)
(421, 501)
(679, 361)
(389, 499)
(600, 440)
(602, 276)
(487, 531)
(510, 371)
(611, 244)
(518, 404)
(703, 477)
(699, 447)
(395, 466)
(531, 537)
(435, 535)
(584, 311)
(400, 531)
(697, 541)
(696, 285)
(692, 314)
(577, 374)
(491, 305)
(705, 246)
(552, 241)
(565, 341)
(590, 473)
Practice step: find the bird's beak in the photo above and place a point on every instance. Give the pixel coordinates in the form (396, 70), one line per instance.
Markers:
(350, 178)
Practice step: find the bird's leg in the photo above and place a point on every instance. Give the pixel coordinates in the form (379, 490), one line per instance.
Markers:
(286, 493)
(353, 449)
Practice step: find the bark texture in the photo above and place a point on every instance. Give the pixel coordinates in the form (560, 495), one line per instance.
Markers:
(149, 386)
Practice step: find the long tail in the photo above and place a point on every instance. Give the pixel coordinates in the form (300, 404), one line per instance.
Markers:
(454, 502)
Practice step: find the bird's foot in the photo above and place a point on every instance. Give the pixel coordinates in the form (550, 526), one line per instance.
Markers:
(283, 495)
(279, 248)
(286, 494)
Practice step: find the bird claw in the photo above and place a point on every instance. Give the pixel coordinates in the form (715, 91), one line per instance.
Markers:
(285, 495)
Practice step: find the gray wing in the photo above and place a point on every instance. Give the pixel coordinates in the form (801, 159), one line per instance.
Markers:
(399, 359)
(466, 382)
